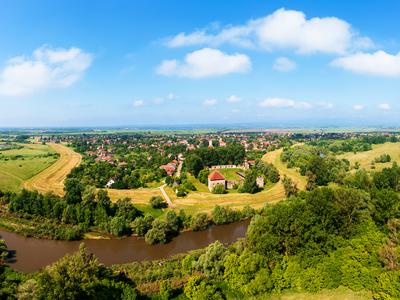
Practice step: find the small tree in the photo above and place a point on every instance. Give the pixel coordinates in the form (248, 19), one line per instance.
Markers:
(157, 202)
(289, 186)
(158, 233)
(200, 222)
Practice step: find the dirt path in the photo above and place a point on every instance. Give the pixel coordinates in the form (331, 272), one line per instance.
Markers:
(165, 195)
(52, 178)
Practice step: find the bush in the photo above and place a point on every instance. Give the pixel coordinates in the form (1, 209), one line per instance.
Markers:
(200, 222)
(219, 189)
(181, 192)
(224, 215)
(157, 202)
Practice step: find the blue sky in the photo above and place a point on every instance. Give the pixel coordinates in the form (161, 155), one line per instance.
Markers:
(278, 63)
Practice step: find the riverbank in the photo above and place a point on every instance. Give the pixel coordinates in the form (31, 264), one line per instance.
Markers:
(115, 251)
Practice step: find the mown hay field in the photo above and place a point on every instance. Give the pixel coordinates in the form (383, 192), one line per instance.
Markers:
(52, 178)
(365, 158)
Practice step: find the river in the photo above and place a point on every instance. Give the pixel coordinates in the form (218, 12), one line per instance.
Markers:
(32, 254)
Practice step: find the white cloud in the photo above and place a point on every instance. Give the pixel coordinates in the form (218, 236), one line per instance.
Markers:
(209, 102)
(378, 63)
(138, 103)
(205, 62)
(46, 68)
(171, 96)
(283, 64)
(325, 105)
(233, 99)
(284, 103)
(283, 29)
(358, 107)
(384, 106)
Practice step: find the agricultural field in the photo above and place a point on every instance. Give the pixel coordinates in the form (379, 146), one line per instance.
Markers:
(19, 165)
(52, 178)
(365, 158)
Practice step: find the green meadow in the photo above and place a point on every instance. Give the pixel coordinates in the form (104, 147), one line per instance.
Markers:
(18, 165)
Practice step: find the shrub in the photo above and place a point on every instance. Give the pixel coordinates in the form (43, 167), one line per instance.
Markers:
(157, 202)
(200, 222)
(219, 189)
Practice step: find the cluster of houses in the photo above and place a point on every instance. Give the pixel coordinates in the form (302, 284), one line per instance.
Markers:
(101, 154)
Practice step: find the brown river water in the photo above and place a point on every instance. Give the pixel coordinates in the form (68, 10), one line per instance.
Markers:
(32, 254)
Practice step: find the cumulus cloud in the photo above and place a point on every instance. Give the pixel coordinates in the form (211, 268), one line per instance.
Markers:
(209, 102)
(283, 29)
(45, 68)
(205, 62)
(284, 103)
(283, 64)
(378, 63)
(233, 99)
(358, 107)
(138, 103)
(384, 106)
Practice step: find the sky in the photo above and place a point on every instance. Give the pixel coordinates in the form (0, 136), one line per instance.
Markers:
(138, 63)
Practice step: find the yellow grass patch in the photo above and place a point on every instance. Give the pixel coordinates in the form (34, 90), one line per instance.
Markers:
(365, 158)
(52, 178)
(274, 157)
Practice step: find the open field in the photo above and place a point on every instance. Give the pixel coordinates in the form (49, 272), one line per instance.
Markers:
(141, 195)
(365, 158)
(274, 158)
(230, 174)
(22, 164)
(52, 178)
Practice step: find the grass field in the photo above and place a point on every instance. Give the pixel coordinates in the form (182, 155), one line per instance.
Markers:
(274, 158)
(30, 161)
(365, 158)
(231, 174)
(52, 178)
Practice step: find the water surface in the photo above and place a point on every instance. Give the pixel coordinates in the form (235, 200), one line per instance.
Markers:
(32, 254)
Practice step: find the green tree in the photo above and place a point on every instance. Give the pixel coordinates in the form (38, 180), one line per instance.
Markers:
(158, 232)
(200, 222)
(198, 289)
(211, 262)
(77, 276)
(157, 202)
(194, 164)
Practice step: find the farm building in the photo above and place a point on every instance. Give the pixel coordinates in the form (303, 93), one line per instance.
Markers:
(215, 178)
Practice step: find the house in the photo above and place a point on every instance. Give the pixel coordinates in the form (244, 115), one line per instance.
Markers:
(110, 183)
(169, 168)
(215, 178)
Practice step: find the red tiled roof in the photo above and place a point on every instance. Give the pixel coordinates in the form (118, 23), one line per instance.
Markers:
(216, 176)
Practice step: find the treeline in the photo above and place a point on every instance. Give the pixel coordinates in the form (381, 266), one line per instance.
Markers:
(359, 144)
(319, 166)
(198, 159)
(83, 209)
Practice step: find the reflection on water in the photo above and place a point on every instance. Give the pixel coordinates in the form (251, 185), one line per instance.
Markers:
(31, 254)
